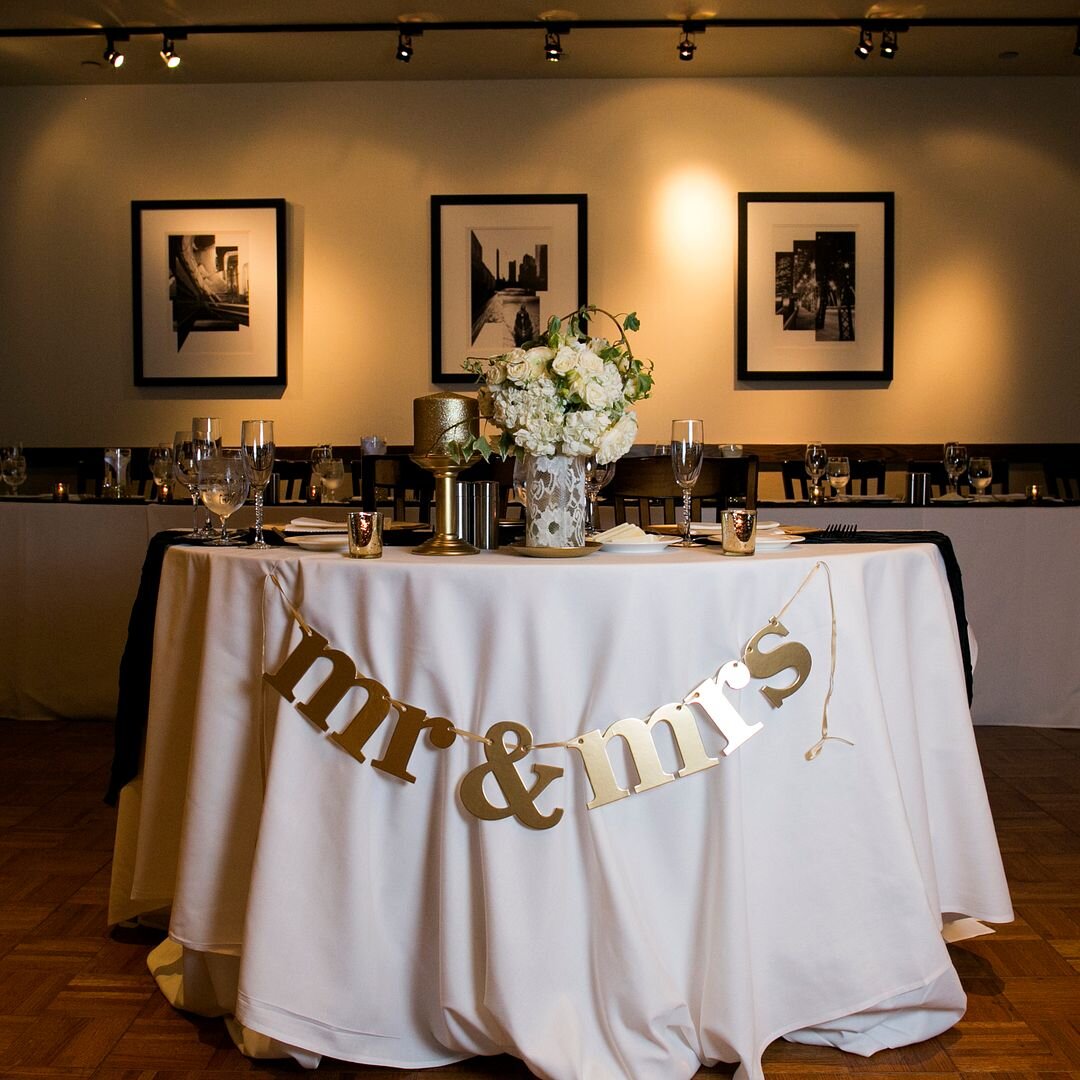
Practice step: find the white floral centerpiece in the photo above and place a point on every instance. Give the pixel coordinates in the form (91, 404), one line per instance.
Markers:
(566, 392)
(559, 400)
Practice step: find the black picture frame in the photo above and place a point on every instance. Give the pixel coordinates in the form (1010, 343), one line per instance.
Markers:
(815, 287)
(544, 273)
(209, 298)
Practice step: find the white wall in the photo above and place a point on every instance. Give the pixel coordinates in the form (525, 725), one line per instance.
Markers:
(986, 174)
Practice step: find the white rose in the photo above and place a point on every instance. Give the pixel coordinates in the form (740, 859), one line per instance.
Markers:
(538, 359)
(565, 361)
(597, 395)
(617, 440)
(494, 372)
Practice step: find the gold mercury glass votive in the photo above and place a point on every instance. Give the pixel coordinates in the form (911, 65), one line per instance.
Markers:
(438, 421)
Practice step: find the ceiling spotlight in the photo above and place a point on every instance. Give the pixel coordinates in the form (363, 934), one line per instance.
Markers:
(866, 44)
(404, 47)
(169, 53)
(552, 46)
(112, 56)
(888, 44)
(686, 47)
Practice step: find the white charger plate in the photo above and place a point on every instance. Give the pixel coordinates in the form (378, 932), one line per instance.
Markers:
(334, 542)
(650, 548)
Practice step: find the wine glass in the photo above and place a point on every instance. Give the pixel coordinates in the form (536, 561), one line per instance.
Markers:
(980, 473)
(13, 471)
(687, 453)
(159, 458)
(596, 476)
(838, 471)
(816, 459)
(956, 463)
(320, 455)
(207, 427)
(187, 452)
(332, 471)
(257, 443)
(223, 487)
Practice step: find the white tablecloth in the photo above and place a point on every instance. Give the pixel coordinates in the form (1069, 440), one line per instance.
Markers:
(340, 910)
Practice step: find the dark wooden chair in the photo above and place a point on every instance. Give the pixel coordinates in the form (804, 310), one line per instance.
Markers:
(1062, 479)
(294, 477)
(867, 476)
(645, 485)
(395, 482)
(794, 476)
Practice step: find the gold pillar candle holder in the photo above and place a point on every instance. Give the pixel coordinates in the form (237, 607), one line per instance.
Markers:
(439, 422)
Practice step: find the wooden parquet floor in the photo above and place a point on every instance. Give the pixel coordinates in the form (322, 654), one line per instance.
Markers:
(78, 1003)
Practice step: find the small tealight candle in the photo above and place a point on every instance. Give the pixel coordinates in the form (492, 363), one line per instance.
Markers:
(1033, 492)
(60, 492)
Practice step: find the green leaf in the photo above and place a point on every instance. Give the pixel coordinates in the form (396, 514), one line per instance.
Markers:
(631, 322)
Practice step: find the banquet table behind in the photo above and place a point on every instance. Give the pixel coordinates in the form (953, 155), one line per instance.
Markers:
(345, 912)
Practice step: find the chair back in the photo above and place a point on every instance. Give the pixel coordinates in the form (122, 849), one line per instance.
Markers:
(868, 476)
(646, 488)
(395, 481)
(794, 476)
(939, 478)
(293, 478)
(1062, 479)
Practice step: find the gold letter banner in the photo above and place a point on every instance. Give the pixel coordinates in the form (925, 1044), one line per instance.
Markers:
(517, 798)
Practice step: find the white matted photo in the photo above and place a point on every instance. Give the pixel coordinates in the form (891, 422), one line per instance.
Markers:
(209, 299)
(815, 286)
(501, 267)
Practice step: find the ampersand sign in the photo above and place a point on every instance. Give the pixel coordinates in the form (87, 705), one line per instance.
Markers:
(500, 763)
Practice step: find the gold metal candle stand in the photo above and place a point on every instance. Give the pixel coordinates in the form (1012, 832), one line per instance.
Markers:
(439, 420)
(446, 540)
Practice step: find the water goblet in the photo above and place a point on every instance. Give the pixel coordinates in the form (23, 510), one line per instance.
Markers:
(816, 460)
(687, 454)
(223, 488)
(159, 459)
(187, 452)
(980, 473)
(838, 471)
(207, 427)
(596, 477)
(956, 463)
(257, 443)
(332, 472)
(13, 471)
(320, 455)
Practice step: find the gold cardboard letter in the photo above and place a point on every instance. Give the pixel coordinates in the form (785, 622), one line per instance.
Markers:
(763, 664)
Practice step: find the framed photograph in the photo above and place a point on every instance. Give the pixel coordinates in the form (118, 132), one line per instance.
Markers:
(501, 266)
(209, 303)
(815, 286)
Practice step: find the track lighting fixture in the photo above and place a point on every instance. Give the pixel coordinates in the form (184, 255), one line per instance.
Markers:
(866, 44)
(552, 46)
(686, 46)
(169, 53)
(888, 44)
(112, 55)
(404, 47)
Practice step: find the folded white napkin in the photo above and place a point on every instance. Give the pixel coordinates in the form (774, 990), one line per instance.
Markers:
(308, 525)
(628, 533)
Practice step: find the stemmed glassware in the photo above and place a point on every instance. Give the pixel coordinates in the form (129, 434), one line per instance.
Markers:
(596, 477)
(956, 463)
(13, 468)
(332, 472)
(980, 473)
(188, 451)
(207, 427)
(320, 455)
(257, 444)
(687, 454)
(838, 471)
(160, 459)
(816, 460)
(223, 487)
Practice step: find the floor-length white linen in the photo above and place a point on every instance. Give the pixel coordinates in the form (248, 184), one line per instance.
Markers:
(377, 921)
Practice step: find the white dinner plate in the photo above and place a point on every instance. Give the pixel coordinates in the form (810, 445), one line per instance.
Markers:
(314, 542)
(653, 547)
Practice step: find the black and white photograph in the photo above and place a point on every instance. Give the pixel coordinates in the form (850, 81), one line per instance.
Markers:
(209, 292)
(804, 258)
(502, 266)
